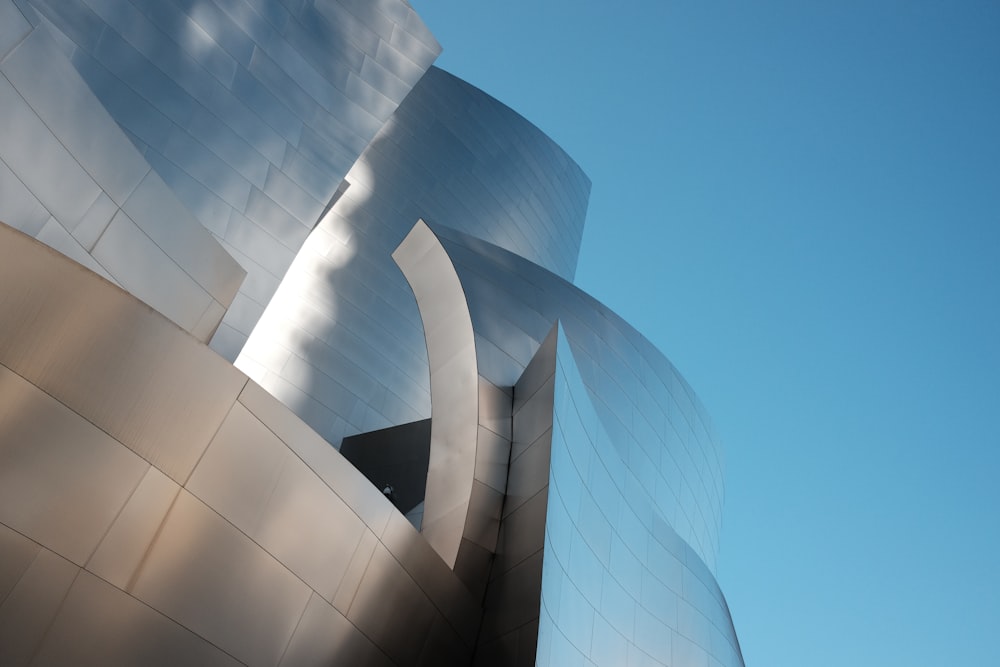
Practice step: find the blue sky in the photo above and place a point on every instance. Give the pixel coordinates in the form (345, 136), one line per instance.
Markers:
(799, 203)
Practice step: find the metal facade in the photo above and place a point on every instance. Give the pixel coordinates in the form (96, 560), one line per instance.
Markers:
(251, 111)
(376, 243)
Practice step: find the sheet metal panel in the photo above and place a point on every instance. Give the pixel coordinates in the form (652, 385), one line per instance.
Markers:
(208, 576)
(100, 625)
(62, 480)
(141, 372)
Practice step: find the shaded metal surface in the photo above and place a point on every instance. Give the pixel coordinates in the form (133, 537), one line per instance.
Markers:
(512, 600)
(100, 625)
(70, 177)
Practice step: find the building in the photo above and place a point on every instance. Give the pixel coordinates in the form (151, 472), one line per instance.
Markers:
(308, 380)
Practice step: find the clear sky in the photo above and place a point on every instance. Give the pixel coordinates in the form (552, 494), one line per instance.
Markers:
(799, 203)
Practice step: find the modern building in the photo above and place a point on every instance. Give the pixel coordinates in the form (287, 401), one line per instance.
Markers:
(293, 370)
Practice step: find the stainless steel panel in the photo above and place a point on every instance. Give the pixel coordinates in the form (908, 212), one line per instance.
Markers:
(123, 547)
(433, 576)
(74, 115)
(230, 147)
(686, 652)
(161, 217)
(522, 533)
(209, 322)
(625, 567)
(485, 505)
(29, 608)
(13, 26)
(107, 356)
(44, 165)
(664, 565)
(495, 408)
(55, 236)
(324, 637)
(440, 647)
(207, 207)
(585, 570)
(492, 458)
(205, 167)
(454, 387)
(143, 269)
(576, 616)
(100, 625)
(16, 553)
(563, 652)
(529, 472)
(18, 207)
(512, 599)
(354, 572)
(617, 606)
(608, 646)
(533, 418)
(93, 224)
(391, 610)
(349, 484)
(290, 196)
(239, 470)
(62, 480)
(595, 528)
(309, 528)
(206, 575)
(652, 636)
(450, 153)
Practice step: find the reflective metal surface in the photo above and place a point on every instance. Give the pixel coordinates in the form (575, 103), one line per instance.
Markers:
(342, 341)
(655, 597)
(251, 111)
(70, 176)
(454, 382)
(156, 507)
(266, 548)
(638, 397)
(512, 598)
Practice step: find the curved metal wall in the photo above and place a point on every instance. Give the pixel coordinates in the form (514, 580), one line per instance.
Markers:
(252, 111)
(341, 342)
(655, 422)
(70, 177)
(157, 508)
(617, 580)
(455, 156)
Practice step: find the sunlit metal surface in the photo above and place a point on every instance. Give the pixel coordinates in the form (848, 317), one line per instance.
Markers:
(342, 341)
(252, 111)
(454, 383)
(62, 323)
(154, 488)
(617, 579)
(156, 507)
(655, 423)
(470, 428)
